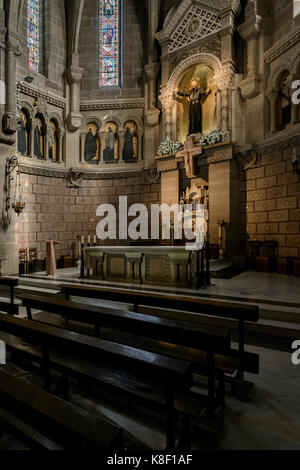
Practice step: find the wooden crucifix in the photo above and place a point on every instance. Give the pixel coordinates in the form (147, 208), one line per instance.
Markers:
(189, 153)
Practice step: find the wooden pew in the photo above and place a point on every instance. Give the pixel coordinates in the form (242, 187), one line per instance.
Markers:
(9, 307)
(206, 341)
(147, 378)
(203, 307)
(43, 421)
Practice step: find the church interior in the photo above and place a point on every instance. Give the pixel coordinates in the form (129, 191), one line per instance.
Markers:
(120, 330)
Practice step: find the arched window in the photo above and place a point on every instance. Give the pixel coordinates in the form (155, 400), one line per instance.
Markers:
(33, 33)
(109, 43)
(283, 101)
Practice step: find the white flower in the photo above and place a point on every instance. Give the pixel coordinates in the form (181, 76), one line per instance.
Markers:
(169, 147)
(213, 137)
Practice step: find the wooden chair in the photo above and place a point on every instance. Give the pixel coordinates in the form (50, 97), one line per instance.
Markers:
(253, 251)
(23, 261)
(266, 261)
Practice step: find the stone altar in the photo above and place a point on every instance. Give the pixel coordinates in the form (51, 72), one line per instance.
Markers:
(162, 265)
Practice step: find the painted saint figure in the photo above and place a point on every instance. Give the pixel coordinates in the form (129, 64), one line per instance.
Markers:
(197, 96)
(22, 137)
(37, 142)
(108, 8)
(129, 155)
(109, 151)
(90, 147)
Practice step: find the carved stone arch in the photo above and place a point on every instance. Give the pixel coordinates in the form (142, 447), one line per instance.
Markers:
(275, 76)
(295, 64)
(136, 119)
(28, 108)
(56, 117)
(112, 118)
(205, 58)
(92, 120)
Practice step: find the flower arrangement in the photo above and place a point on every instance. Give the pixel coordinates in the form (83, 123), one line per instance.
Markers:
(169, 147)
(213, 137)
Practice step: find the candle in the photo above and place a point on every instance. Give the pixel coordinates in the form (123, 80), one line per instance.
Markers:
(82, 240)
(95, 239)
(89, 239)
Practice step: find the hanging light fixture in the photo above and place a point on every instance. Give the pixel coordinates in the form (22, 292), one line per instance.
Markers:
(18, 204)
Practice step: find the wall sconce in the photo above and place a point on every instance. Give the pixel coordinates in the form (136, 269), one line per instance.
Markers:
(296, 167)
(18, 204)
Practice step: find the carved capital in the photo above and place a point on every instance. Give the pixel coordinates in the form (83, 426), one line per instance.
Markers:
(166, 97)
(74, 120)
(152, 70)
(152, 117)
(74, 74)
(250, 87)
(10, 123)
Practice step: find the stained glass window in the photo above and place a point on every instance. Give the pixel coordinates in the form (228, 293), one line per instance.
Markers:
(33, 33)
(109, 43)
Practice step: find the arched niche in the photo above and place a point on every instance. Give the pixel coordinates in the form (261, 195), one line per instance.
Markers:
(92, 144)
(111, 142)
(130, 151)
(53, 140)
(209, 117)
(24, 133)
(283, 105)
(39, 132)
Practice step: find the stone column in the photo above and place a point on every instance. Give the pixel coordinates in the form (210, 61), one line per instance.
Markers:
(219, 121)
(10, 121)
(99, 137)
(31, 139)
(224, 202)
(121, 144)
(140, 135)
(74, 75)
(60, 136)
(272, 95)
(166, 98)
(102, 140)
(250, 31)
(82, 143)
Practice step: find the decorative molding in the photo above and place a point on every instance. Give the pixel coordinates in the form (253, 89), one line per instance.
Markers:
(74, 179)
(87, 175)
(102, 106)
(198, 23)
(279, 48)
(279, 141)
(175, 16)
(248, 158)
(223, 153)
(151, 176)
(203, 46)
(50, 99)
(203, 57)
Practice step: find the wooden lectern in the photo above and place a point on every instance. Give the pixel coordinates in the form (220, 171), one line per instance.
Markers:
(50, 258)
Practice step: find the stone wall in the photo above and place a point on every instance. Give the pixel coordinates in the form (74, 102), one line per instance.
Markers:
(56, 212)
(134, 30)
(271, 202)
(53, 48)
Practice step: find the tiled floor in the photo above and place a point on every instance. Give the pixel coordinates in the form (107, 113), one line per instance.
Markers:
(248, 285)
(269, 419)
